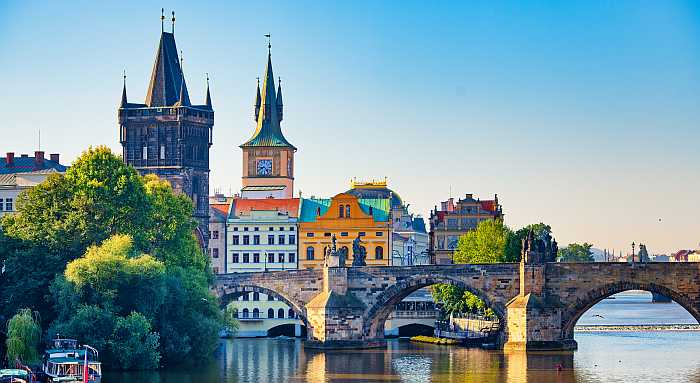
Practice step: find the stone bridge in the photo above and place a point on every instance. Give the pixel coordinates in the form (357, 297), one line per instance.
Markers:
(538, 304)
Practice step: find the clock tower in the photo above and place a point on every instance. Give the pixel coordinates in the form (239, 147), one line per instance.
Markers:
(268, 158)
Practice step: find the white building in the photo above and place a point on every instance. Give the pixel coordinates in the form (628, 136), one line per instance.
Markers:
(219, 206)
(18, 174)
(261, 235)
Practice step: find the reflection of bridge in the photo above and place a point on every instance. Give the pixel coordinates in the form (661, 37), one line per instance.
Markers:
(538, 304)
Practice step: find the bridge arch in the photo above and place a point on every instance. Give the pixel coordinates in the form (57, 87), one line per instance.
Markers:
(230, 293)
(377, 313)
(573, 312)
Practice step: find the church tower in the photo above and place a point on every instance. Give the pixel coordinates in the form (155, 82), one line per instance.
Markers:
(268, 158)
(167, 135)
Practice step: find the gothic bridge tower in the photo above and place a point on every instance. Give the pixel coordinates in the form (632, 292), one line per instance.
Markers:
(169, 136)
(268, 158)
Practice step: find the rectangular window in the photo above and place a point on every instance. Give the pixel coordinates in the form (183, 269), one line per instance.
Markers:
(270, 239)
(234, 258)
(246, 258)
(256, 257)
(235, 228)
(379, 233)
(215, 253)
(309, 234)
(162, 152)
(326, 234)
(256, 240)
(245, 229)
(270, 229)
(291, 228)
(292, 258)
(215, 234)
(235, 239)
(362, 234)
(270, 258)
(8, 204)
(280, 239)
(256, 229)
(145, 153)
(281, 229)
(292, 240)
(1, 204)
(280, 257)
(344, 234)
(246, 240)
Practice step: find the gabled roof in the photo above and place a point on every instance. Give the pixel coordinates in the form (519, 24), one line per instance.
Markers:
(219, 211)
(243, 206)
(310, 207)
(268, 132)
(167, 81)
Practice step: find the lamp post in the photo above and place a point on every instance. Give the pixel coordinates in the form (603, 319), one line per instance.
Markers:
(633, 253)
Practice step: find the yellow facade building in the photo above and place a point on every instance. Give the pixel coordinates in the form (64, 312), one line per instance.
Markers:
(346, 217)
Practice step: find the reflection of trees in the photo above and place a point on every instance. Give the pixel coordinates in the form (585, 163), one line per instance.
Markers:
(533, 367)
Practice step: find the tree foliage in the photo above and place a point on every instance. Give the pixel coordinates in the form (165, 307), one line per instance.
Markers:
(23, 336)
(126, 245)
(576, 253)
(491, 242)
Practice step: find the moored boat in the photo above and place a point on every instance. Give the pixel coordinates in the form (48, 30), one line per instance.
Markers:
(65, 363)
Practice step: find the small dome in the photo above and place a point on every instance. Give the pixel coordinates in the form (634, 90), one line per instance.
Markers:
(375, 190)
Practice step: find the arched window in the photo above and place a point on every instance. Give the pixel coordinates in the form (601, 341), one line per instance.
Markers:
(246, 313)
(256, 296)
(347, 211)
(280, 313)
(290, 313)
(270, 313)
(256, 313)
(310, 253)
(378, 253)
(341, 211)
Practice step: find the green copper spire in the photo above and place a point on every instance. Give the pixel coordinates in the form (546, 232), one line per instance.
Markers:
(268, 132)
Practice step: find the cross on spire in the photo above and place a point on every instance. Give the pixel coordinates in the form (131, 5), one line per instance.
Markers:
(173, 20)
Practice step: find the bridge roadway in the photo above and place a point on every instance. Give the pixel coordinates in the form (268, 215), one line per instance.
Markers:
(538, 304)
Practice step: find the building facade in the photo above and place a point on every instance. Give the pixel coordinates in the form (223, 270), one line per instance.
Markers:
(268, 158)
(169, 136)
(409, 238)
(455, 218)
(344, 217)
(219, 206)
(18, 174)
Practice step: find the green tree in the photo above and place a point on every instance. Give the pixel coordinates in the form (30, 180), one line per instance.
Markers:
(23, 335)
(491, 242)
(134, 345)
(576, 253)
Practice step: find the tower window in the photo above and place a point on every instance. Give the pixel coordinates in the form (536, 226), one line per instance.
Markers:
(162, 152)
(145, 153)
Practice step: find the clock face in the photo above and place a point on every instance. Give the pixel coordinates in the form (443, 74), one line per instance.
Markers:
(264, 167)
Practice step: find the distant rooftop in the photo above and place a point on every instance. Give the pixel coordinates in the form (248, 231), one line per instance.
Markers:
(11, 164)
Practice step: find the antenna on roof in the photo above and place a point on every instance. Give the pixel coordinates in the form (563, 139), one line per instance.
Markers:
(173, 20)
(162, 20)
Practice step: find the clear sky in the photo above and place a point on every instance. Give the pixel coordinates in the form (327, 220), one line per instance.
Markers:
(583, 115)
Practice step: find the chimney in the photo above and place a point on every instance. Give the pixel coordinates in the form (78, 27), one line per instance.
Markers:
(10, 159)
(38, 159)
(55, 157)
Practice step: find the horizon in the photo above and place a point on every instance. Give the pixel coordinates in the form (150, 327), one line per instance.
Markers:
(589, 130)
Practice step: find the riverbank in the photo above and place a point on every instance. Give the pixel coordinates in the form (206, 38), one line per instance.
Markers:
(637, 328)
(433, 340)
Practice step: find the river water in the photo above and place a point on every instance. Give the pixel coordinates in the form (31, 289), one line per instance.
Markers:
(663, 356)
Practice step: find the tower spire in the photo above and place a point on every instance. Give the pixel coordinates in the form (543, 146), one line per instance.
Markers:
(279, 98)
(257, 101)
(167, 79)
(207, 101)
(124, 102)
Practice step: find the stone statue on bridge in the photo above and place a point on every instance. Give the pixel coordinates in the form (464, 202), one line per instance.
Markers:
(539, 250)
(333, 257)
(358, 253)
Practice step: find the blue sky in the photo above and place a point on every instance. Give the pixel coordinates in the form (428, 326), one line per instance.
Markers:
(583, 115)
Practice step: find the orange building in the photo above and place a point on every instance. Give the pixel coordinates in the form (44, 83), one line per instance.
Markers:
(347, 217)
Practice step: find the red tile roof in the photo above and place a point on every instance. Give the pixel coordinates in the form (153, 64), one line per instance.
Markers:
(221, 207)
(287, 206)
(489, 205)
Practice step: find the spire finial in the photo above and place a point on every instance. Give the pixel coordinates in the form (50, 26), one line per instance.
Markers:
(162, 20)
(124, 75)
(269, 46)
(207, 74)
(123, 102)
(207, 100)
(173, 20)
(258, 79)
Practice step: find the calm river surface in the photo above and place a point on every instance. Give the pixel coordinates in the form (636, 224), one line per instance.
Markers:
(668, 356)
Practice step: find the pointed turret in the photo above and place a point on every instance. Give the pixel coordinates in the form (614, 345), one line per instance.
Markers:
(167, 85)
(257, 102)
(268, 131)
(279, 98)
(207, 101)
(124, 101)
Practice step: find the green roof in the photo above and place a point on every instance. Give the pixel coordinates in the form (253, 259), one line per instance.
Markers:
(380, 208)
